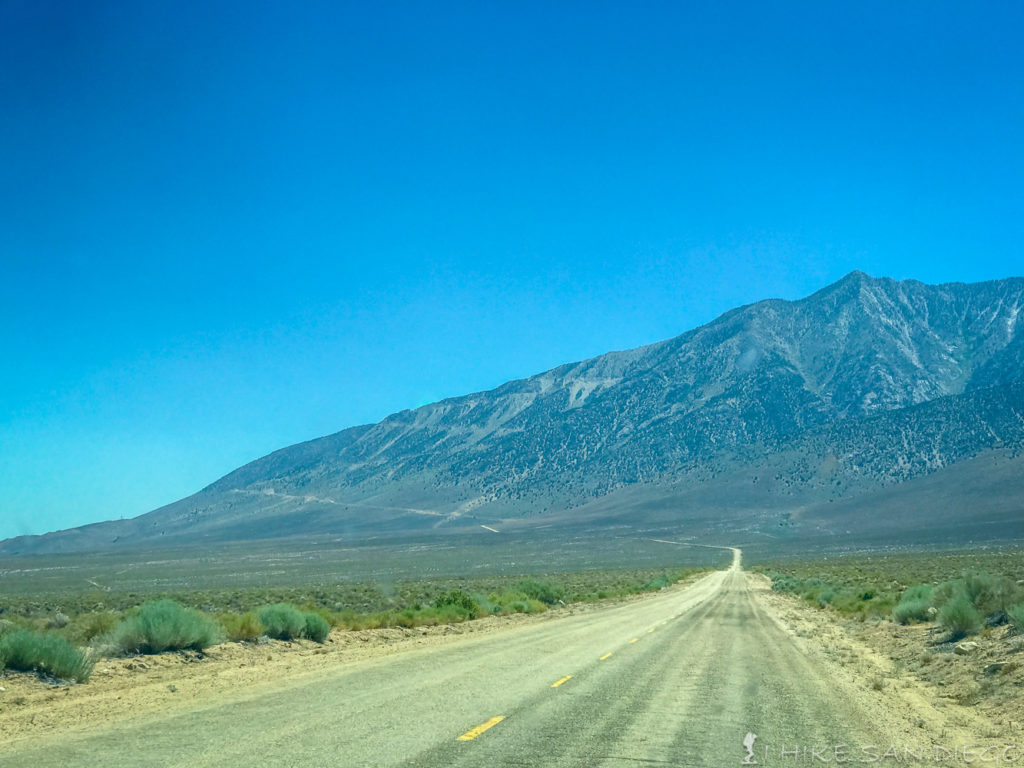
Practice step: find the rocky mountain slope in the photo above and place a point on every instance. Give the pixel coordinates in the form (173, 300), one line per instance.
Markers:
(863, 385)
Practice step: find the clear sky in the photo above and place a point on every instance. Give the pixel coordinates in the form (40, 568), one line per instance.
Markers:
(229, 227)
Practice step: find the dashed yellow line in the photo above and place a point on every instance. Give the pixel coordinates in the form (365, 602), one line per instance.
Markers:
(664, 622)
(606, 656)
(565, 679)
(635, 639)
(472, 733)
(651, 629)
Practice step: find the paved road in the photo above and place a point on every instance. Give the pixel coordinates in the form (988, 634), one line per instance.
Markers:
(678, 679)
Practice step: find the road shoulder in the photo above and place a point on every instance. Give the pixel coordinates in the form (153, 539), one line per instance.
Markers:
(878, 660)
(130, 688)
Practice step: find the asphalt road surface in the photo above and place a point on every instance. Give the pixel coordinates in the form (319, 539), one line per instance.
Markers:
(679, 679)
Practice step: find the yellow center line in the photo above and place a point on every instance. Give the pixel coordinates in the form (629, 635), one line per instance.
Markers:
(607, 655)
(664, 622)
(634, 639)
(651, 629)
(563, 680)
(472, 733)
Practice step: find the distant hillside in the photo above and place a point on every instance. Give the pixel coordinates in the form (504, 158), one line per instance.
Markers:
(850, 392)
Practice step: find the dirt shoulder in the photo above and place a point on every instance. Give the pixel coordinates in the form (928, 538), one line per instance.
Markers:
(977, 689)
(124, 689)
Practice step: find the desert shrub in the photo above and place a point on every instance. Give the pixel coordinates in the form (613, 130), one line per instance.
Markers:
(409, 617)
(946, 591)
(544, 591)
(959, 616)
(283, 621)
(446, 614)
(917, 593)
(245, 627)
(347, 619)
(350, 619)
(855, 599)
(879, 605)
(810, 595)
(527, 605)
(330, 617)
(914, 604)
(164, 625)
(86, 627)
(654, 584)
(907, 611)
(513, 601)
(459, 601)
(990, 593)
(28, 651)
(372, 621)
(7, 626)
(845, 601)
(316, 628)
(1016, 616)
(488, 607)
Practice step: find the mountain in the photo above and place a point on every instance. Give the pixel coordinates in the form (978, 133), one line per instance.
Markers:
(761, 417)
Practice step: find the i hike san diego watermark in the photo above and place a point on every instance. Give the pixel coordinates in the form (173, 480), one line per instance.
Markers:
(989, 754)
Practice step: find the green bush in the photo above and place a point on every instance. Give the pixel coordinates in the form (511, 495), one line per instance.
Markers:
(488, 607)
(317, 628)
(654, 584)
(28, 651)
(914, 604)
(1016, 614)
(907, 611)
(458, 600)
(959, 616)
(989, 593)
(917, 593)
(245, 627)
(164, 625)
(943, 593)
(544, 591)
(330, 617)
(86, 627)
(14, 624)
(283, 621)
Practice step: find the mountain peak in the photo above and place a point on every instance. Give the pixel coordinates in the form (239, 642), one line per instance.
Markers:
(859, 279)
(856, 276)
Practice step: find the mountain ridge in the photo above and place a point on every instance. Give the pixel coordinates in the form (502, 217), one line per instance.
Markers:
(753, 383)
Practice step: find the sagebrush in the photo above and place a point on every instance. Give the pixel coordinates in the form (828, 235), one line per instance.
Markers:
(46, 653)
(164, 625)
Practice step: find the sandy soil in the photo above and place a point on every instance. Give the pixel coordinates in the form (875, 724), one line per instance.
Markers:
(947, 690)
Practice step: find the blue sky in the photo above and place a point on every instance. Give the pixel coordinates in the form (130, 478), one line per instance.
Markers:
(228, 227)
